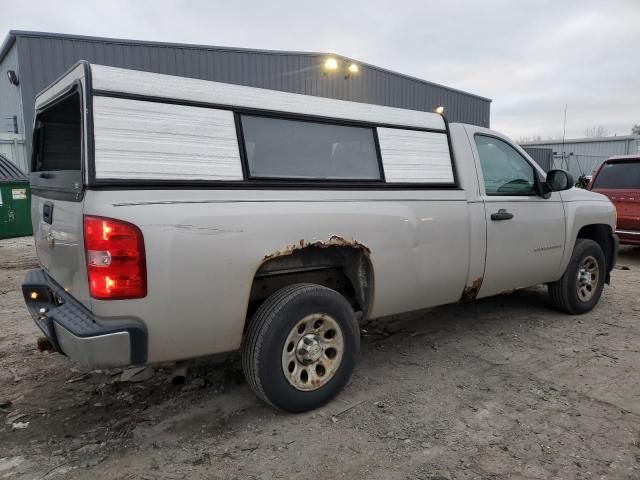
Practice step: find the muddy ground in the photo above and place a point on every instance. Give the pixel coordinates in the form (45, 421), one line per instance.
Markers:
(502, 388)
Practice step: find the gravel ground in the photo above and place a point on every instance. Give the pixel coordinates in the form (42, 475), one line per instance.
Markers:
(501, 388)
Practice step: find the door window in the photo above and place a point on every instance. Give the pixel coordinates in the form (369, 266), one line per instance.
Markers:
(505, 171)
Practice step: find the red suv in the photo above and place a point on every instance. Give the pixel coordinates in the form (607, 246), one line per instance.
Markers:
(619, 179)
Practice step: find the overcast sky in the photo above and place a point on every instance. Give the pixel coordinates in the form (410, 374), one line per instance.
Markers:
(530, 59)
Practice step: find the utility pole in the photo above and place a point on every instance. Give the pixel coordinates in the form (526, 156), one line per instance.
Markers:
(564, 131)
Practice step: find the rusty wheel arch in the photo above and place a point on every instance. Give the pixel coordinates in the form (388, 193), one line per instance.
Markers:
(338, 263)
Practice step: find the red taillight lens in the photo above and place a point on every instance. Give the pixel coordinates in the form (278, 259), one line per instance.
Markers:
(116, 263)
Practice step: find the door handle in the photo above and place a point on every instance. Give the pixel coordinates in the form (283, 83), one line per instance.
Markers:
(501, 214)
(47, 213)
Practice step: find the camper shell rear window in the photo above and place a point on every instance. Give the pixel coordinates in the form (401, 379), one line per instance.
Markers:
(57, 145)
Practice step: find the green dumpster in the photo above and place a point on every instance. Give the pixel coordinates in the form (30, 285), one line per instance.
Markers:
(15, 201)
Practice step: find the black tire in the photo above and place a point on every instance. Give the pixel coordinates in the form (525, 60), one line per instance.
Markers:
(262, 351)
(563, 293)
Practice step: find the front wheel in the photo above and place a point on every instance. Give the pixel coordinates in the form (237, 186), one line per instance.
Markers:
(301, 347)
(580, 288)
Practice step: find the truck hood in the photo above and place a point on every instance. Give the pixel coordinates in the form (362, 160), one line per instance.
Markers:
(581, 195)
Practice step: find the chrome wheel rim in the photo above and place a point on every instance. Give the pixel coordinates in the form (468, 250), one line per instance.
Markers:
(587, 281)
(312, 352)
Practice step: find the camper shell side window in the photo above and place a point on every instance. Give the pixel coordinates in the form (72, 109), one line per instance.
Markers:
(278, 148)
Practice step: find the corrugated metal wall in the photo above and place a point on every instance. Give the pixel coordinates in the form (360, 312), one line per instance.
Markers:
(542, 156)
(44, 58)
(10, 105)
(12, 144)
(582, 156)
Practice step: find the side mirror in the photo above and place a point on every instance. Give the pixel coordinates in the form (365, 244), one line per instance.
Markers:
(558, 180)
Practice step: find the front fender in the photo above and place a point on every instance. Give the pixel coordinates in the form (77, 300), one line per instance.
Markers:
(584, 208)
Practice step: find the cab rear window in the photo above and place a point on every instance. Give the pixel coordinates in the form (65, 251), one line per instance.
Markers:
(619, 175)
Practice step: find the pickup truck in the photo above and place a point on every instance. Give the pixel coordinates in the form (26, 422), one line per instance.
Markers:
(619, 179)
(176, 218)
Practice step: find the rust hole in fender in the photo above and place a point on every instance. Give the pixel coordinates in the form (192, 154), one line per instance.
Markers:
(470, 292)
(334, 241)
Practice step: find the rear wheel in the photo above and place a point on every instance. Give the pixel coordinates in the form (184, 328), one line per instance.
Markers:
(580, 288)
(301, 347)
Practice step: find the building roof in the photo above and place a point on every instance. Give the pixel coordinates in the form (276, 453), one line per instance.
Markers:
(582, 140)
(9, 172)
(13, 34)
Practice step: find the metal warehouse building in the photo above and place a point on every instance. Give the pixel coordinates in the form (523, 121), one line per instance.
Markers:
(29, 61)
(542, 156)
(583, 155)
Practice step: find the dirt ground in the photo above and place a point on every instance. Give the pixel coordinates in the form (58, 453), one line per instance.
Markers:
(501, 388)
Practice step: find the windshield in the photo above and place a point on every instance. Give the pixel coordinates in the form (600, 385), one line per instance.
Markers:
(619, 175)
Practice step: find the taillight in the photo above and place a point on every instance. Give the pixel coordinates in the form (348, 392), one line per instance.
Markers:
(116, 263)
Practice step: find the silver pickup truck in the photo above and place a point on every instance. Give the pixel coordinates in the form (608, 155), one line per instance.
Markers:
(176, 218)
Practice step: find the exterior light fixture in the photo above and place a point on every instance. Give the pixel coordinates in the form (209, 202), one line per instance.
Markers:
(351, 69)
(439, 110)
(13, 77)
(331, 64)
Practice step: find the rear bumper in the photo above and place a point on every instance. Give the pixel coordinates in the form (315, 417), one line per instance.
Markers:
(74, 331)
(629, 237)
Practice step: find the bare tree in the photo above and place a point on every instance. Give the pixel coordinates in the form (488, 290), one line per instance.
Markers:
(596, 131)
(635, 130)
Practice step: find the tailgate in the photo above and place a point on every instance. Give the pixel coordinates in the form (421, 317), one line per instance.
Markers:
(57, 231)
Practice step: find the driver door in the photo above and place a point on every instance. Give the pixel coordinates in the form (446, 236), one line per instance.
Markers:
(525, 232)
